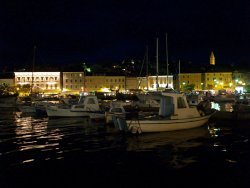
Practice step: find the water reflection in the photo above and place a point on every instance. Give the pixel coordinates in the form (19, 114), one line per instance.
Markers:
(223, 106)
(182, 139)
(172, 147)
(230, 145)
(72, 141)
(51, 138)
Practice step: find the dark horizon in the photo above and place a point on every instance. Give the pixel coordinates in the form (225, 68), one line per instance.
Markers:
(109, 31)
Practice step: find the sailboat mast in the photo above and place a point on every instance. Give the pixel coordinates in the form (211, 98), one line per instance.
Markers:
(147, 66)
(157, 65)
(167, 57)
(144, 59)
(179, 65)
(33, 68)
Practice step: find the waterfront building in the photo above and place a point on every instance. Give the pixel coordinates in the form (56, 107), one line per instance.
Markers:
(164, 81)
(105, 83)
(149, 83)
(76, 82)
(219, 81)
(132, 83)
(73, 82)
(194, 79)
(207, 81)
(241, 80)
(42, 82)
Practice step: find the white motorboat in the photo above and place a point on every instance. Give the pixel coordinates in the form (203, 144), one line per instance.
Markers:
(174, 114)
(87, 106)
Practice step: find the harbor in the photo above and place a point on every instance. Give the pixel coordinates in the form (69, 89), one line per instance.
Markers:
(39, 151)
(124, 94)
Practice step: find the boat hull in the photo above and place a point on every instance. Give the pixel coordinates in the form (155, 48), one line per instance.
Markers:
(8, 101)
(26, 109)
(163, 125)
(57, 113)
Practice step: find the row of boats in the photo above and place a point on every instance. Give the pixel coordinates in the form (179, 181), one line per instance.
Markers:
(152, 112)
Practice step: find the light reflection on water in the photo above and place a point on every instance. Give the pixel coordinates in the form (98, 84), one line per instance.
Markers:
(28, 136)
(30, 141)
(172, 147)
(224, 106)
(36, 139)
(230, 144)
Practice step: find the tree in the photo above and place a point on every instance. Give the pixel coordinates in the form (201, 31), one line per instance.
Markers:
(189, 87)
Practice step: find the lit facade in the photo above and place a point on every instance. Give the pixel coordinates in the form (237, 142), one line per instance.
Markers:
(241, 80)
(163, 82)
(207, 81)
(105, 83)
(76, 82)
(189, 79)
(47, 82)
(73, 82)
(150, 82)
(219, 80)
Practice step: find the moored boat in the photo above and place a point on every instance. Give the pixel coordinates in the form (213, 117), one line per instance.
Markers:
(8, 100)
(174, 114)
(88, 106)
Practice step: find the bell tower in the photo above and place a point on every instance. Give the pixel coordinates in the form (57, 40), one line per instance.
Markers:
(212, 59)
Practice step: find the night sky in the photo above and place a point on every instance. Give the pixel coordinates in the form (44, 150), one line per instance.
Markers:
(96, 32)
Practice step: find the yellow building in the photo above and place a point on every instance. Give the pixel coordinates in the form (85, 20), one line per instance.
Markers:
(219, 80)
(132, 83)
(75, 82)
(190, 79)
(240, 80)
(207, 81)
(104, 83)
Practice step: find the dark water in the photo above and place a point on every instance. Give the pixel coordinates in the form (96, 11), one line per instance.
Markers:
(38, 152)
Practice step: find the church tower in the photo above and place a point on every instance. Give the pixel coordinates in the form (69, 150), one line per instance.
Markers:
(212, 59)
